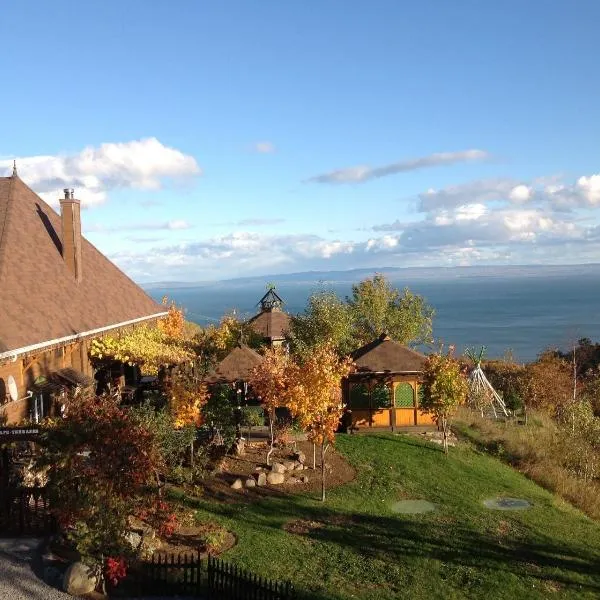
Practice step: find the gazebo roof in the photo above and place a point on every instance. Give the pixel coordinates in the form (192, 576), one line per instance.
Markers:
(236, 366)
(270, 324)
(384, 355)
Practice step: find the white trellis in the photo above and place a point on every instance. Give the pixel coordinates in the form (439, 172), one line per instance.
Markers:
(482, 394)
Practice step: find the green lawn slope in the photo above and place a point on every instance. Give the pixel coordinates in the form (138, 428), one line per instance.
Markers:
(462, 550)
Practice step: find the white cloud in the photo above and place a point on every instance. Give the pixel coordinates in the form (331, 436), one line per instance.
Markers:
(362, 173)
(175, 225)
(94, 172)
(590, 188)
(264, 147)
(520, 194)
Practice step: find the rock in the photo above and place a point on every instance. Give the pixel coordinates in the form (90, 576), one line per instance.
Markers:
(237, 485)
(79, 579)
(289, 465)
(239, 447)
(300, 457)
(250, 482)
(299, 467)
(148, 546)
(275, 478)
(262, 479)
(304, 479)
(278, 468)
(134, 539)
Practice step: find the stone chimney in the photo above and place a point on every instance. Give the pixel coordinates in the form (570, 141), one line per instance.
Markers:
(70, 211)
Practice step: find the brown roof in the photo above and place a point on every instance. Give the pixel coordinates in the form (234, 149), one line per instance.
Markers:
(40, 300)
(236, 366)
(271, 324)
(386, 355)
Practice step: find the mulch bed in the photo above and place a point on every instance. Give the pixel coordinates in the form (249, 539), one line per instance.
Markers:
(218, 486)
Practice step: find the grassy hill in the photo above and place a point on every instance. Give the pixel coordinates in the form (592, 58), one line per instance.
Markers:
(359, 548)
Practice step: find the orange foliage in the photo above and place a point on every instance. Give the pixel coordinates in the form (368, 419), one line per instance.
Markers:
(314, 392)
(186, 404)
(269, 379)
(173, 324)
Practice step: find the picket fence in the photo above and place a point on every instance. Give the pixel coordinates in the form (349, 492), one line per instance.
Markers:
(188, 575)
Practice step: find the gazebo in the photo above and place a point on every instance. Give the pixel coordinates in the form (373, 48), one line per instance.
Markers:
(271, 323)
(236, 367)
(385, 386)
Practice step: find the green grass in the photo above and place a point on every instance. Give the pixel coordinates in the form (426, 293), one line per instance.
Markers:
(462, 550)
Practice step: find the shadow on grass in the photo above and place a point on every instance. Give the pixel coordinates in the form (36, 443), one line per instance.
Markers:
(395, 539)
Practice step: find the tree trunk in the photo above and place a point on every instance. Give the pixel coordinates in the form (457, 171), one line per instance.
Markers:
(272, 435)
(314, 456)
(445, 431)
(323, 450)
(192, 454)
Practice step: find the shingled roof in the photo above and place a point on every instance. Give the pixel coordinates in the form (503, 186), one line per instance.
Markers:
(236, 366)
(384, 355)
(40, 300)
(271, 324)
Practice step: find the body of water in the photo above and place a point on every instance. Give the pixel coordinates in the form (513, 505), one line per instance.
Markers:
(521, 313)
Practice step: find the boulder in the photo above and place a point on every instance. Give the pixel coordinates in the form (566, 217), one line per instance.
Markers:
(150, 544)
(80, 579)
(134, 539)
(262, 479)
(239, 447)
(304, 479)
(278, 468)
(275, 478)
(289, 465)
(250, 482)
(237, 484)
(300, 457)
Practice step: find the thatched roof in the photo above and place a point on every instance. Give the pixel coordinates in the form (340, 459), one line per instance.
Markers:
(384, 355)
(236, 366)
(271, 324)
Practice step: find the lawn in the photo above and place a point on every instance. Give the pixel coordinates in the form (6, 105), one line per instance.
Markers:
(359, 548)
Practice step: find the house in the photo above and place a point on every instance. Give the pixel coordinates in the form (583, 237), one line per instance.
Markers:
(385, 386)
(57, 293)
(271, 323)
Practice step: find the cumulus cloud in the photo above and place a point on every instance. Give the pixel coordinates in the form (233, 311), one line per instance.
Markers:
(362, 173)
(264, 147)
(95, 171)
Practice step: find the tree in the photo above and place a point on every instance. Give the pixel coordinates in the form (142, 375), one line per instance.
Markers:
(327, 318)
(445, 387)
(314, 396)
(173, 324)
(269, 380)
(376, 307)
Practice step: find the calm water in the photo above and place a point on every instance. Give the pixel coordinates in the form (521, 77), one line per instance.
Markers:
(523, 314)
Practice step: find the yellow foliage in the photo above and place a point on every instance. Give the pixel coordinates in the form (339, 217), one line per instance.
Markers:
(147, 346)
(186, 404)
(173, 324)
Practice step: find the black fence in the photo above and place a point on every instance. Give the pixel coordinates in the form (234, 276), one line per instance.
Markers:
(188, 575)
(25, 511)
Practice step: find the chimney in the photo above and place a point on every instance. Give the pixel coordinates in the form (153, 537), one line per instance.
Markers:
(71, 233)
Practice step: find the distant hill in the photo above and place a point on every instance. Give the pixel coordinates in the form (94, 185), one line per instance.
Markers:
(409, 273)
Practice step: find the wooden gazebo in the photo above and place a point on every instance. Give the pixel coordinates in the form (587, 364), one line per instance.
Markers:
(385, 386)
(236, 366)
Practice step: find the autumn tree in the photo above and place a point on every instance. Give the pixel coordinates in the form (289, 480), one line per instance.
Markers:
(377, 307)
(269, 381)
(445, 388)
(172, 325)
(314, 396)
(327, 318)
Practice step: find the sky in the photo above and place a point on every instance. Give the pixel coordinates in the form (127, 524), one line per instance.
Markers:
(214, 139)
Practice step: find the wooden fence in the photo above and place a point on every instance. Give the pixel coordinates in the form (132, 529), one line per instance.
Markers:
(25, 511)
(187, 575)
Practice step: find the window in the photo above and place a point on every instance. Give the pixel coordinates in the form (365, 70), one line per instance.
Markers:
(404, 396)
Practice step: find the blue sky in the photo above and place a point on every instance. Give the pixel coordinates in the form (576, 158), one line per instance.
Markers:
(212, 139)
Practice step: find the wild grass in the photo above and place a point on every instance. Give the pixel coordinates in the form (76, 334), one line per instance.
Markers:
(355, 546)
(551, 455)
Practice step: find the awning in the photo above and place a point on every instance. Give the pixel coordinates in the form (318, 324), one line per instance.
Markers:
(72, 377)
